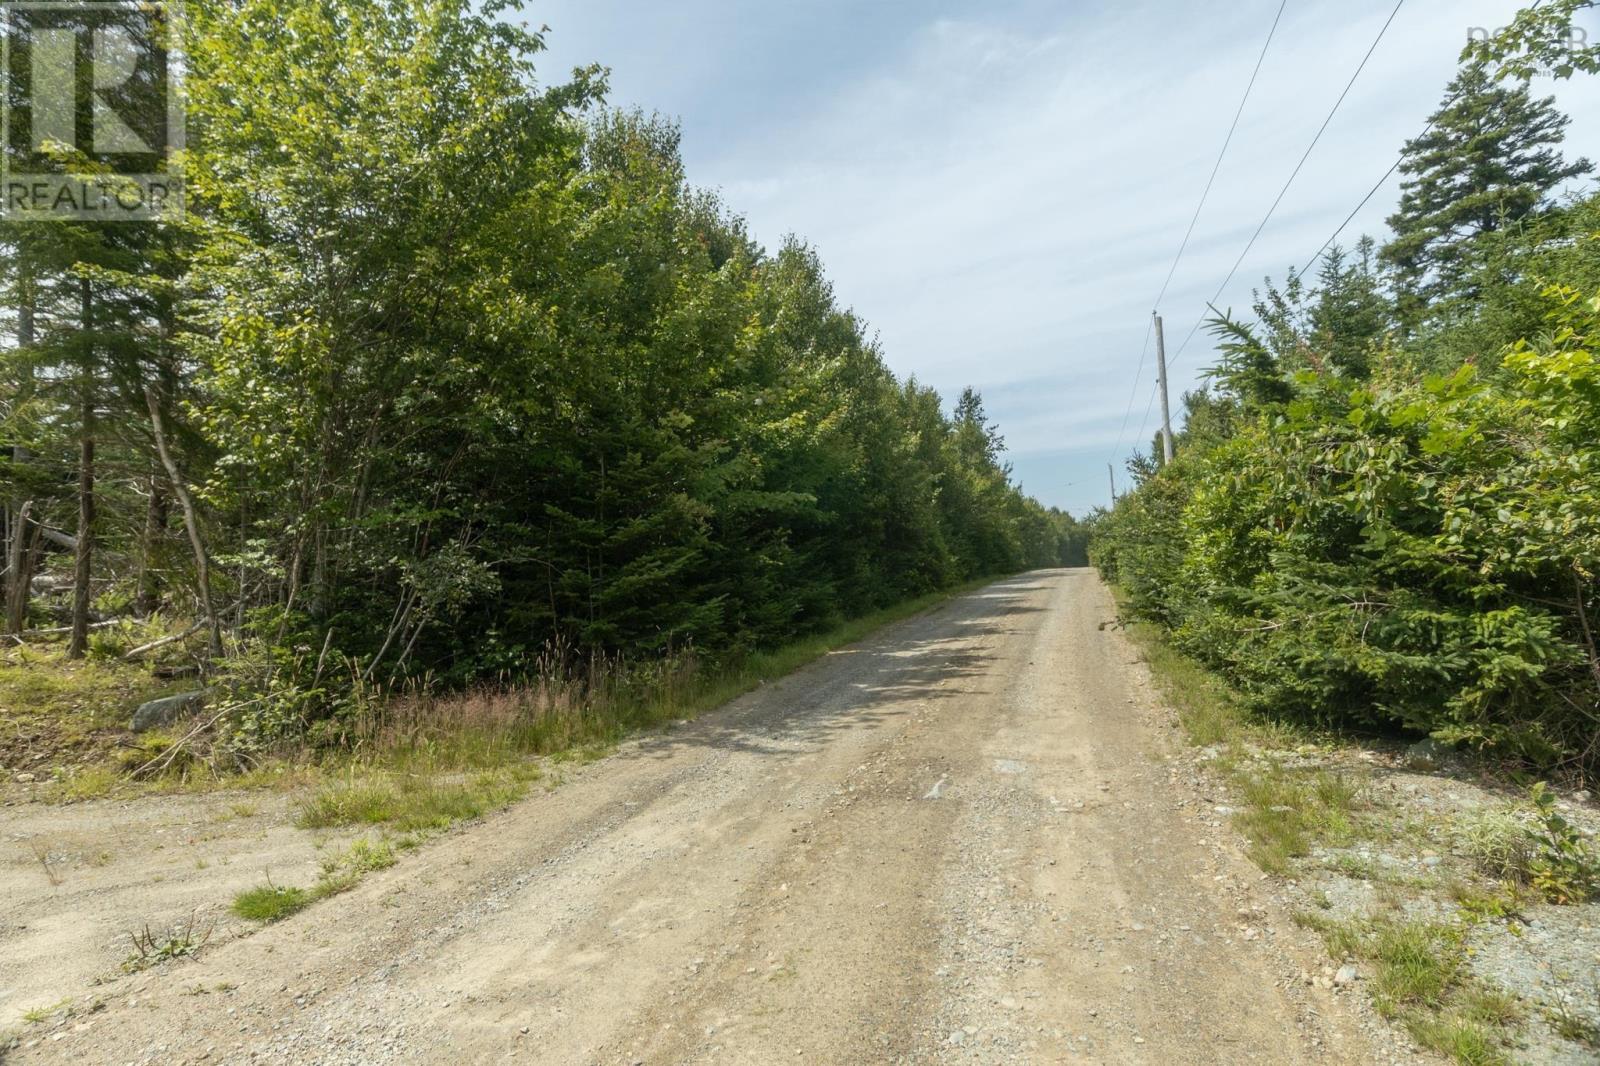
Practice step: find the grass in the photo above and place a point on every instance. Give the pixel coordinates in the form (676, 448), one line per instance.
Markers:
(412, 802)
(1418, 976)
(340, 873)
(1416, 972)
(1286, 812)
(50, 703)
(568, 713)
(42, 1014)
(270, 903)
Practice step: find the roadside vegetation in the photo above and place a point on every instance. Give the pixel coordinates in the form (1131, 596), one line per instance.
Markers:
(545, 450)
(1375, 560)
(1384, 511)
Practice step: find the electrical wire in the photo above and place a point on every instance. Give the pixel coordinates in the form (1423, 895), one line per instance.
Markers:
(1286, 185)
(1144, 350)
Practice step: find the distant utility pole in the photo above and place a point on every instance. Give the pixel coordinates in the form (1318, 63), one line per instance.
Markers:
(1112, 474)
(1161, 378)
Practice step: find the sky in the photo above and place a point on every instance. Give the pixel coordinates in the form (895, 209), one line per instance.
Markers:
(999, 188)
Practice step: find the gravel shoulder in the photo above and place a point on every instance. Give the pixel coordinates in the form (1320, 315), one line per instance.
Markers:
(962, 840)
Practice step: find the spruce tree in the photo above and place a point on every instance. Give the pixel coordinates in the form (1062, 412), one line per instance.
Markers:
(1489, 158)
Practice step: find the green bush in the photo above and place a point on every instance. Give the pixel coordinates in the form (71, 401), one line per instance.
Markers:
(1411, 550)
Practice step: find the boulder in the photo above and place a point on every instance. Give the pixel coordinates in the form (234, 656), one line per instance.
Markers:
(1428, 754)
(166, 709)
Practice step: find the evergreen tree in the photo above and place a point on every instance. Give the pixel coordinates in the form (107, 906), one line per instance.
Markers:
(1489, 158)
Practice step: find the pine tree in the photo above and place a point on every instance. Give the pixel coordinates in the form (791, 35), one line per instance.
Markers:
(1489, 158)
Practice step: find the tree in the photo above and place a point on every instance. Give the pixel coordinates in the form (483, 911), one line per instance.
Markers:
(1489, 158)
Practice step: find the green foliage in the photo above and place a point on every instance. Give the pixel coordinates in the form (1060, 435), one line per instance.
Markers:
(1414, 550)
(1541, 40)
(460, 367)
(1564, 869)
(1489, 158)
(270, 903)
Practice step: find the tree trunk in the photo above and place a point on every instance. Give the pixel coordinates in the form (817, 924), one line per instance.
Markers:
(19, 568)
(148, 600)
(19, 552)
(83, 571)
(191, 525)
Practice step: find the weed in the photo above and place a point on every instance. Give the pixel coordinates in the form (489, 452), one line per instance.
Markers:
(1464, 1040)
(1490, 1006)
(1287, 811)
(1499, 843)
(1478, 904)
(180, 942)
(1564, 869)
(342, 872)
(89, 782)
(44, 1014)
(47, 862)
(1571, 1025)
(412, 802)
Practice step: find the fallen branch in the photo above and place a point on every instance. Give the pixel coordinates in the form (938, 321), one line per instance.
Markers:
(57, 631)
(134, 653)
(166, 757)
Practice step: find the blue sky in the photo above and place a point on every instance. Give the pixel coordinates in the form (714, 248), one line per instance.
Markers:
(999, 188)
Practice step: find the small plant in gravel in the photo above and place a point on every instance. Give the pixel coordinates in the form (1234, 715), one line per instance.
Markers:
(181, 942)
(47, 862)
(270, 902)
(1499, 843)
(340, 873)
(1564, 868)
(344, 871)
(1287, 811)
(44, 1014)
(1418, 976)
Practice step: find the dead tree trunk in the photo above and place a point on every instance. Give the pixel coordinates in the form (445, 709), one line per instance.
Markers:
(20, 556)
(191, 525)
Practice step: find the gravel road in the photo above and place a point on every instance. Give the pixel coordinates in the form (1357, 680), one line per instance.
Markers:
(962, 840)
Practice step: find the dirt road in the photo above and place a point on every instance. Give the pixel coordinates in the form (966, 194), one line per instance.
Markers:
(959, 841)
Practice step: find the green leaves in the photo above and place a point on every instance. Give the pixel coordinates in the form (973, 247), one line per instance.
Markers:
(1419, 553)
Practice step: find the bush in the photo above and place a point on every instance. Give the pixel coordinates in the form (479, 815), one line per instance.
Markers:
(1414, 550)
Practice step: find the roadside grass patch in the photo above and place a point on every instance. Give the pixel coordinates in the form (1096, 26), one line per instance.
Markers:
(341, 872)
(413, 802)
(1288, 811)
(84, 783)
(1417, 975)
(1416, 972)
(270, 903)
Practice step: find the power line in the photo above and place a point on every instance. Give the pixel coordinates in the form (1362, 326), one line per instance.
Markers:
(1144, 350)
(1293, 174)
(1134, 393)
(1312, 262)
(1218, 165)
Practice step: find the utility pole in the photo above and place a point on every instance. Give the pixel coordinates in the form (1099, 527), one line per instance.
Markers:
(1112, 474)
(1161, 378)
